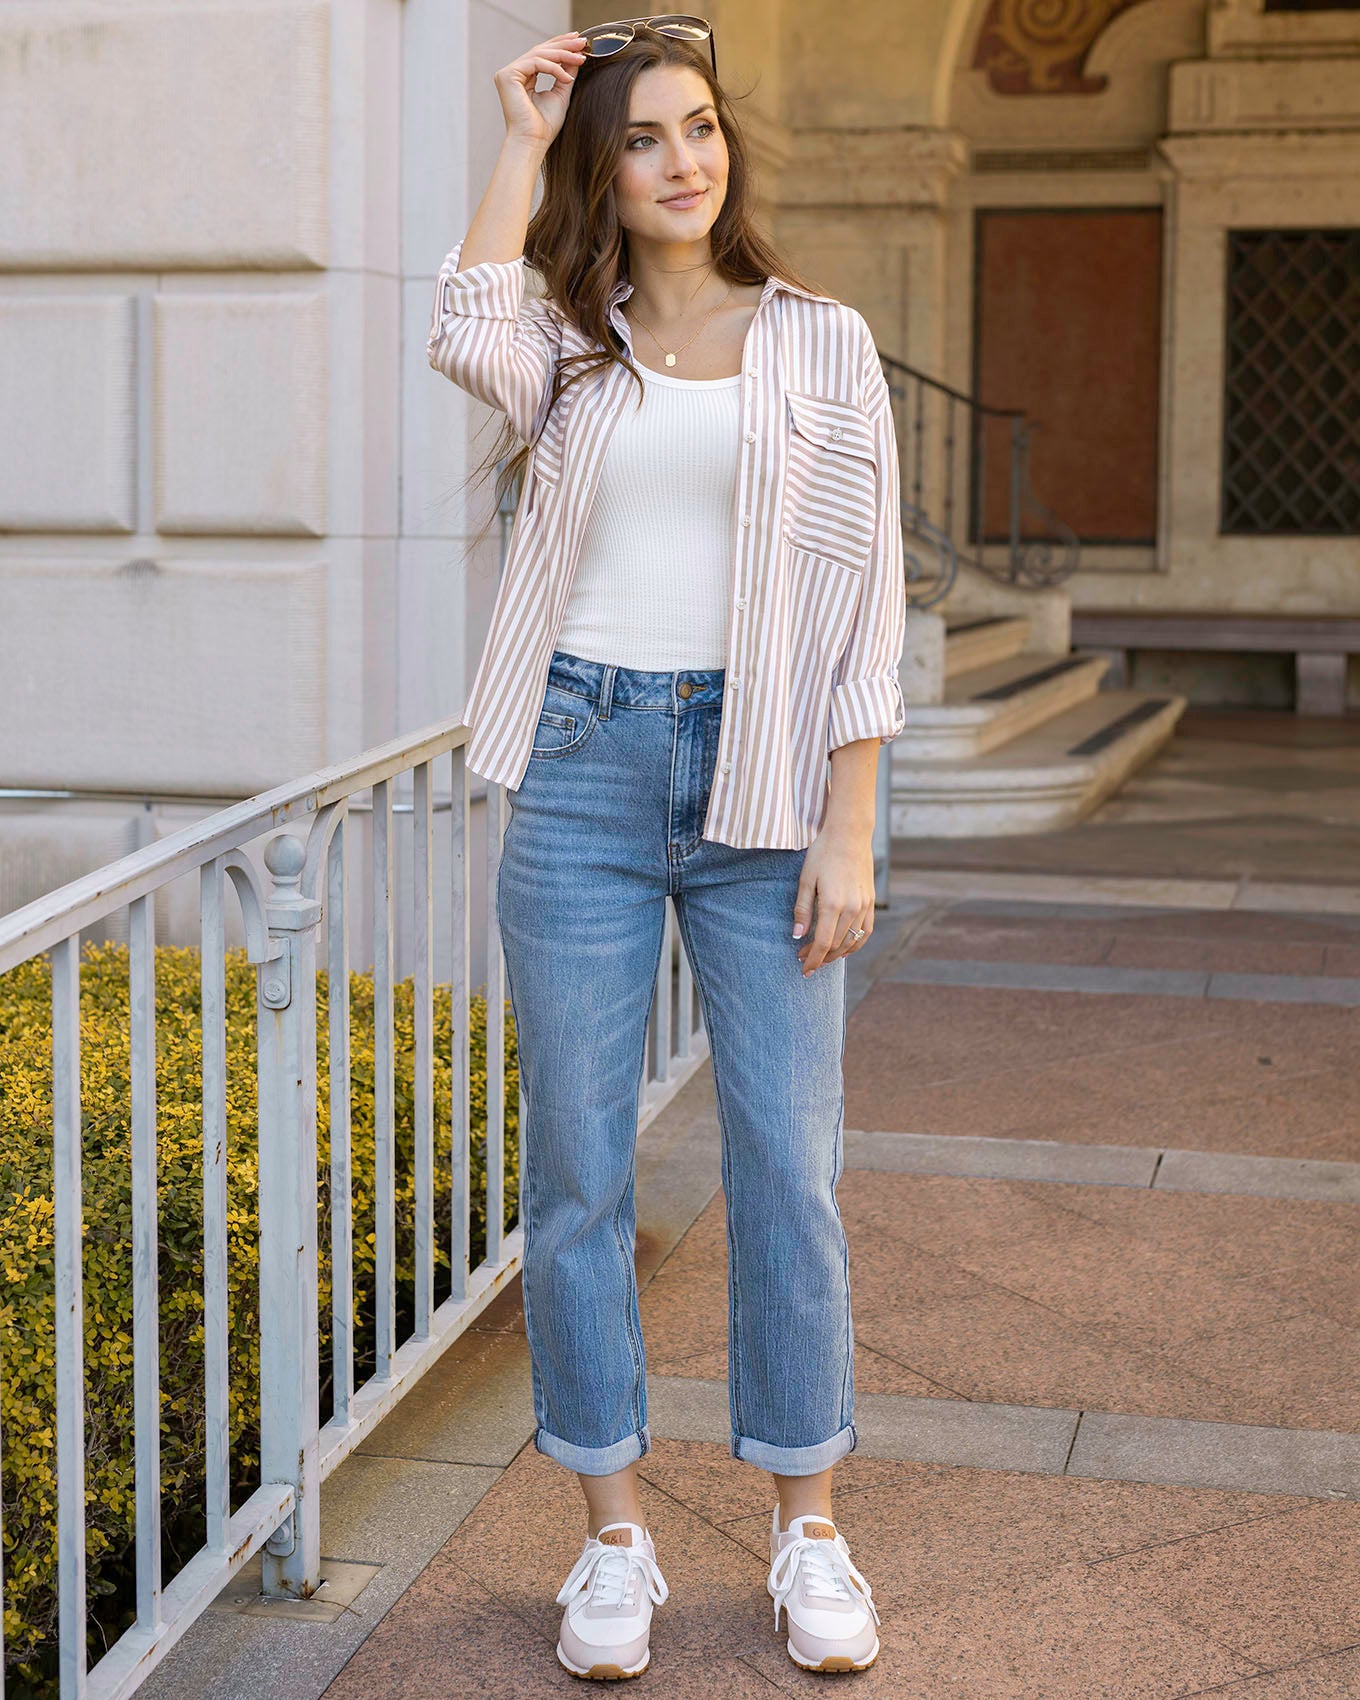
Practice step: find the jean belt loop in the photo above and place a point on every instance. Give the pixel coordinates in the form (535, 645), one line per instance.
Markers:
(607, 689)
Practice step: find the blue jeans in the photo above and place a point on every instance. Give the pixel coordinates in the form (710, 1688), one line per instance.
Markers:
(604, 825)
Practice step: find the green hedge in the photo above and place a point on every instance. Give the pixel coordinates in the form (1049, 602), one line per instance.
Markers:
(27, 1346)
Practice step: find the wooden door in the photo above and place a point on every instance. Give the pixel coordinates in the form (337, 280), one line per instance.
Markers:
(1068, 328)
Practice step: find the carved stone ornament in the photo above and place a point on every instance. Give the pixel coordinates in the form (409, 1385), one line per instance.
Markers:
(1040, 46)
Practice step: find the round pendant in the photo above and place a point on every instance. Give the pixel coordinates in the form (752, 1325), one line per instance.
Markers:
(670, 360)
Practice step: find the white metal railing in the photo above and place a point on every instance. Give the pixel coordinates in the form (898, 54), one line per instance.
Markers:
(307, 888)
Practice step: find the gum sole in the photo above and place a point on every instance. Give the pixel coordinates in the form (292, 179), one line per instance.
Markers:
(602, 1673)
(834, 1662)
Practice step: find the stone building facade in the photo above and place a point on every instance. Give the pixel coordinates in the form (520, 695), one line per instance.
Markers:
(231, 523)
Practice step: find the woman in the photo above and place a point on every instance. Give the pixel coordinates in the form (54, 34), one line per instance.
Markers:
(703, 600)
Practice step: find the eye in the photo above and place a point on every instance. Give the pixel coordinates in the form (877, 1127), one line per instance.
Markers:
(703, 124)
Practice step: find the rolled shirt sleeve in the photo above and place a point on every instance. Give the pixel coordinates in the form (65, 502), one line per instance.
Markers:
(490, 341)
(866, 697)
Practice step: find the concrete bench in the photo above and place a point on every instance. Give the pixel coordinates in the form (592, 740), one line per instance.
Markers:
(1320, 644)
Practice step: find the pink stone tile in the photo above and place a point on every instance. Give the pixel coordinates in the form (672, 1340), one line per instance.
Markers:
(1246, 925)
(884, 1257)
(1227, 942)
(1148, 1296)
(1302, 1251)
(1007, 1350)
(684, 1306)
(677, 1328)
(524, 1536)
(943, 1215)
(948, 1529)
(1342, 959)
(702, 1677)
(448, 1624)
(1214, 1075)
(1306, 1364)
(1273, 1589)
(1327, 1288)
(1229, 927)
(978, 940)
(998, 1584)
(719, 1488)
(1052, 1637)
(698, 1366)
(874, 1373)
(1115, 1287)
(953, 1032)
(1334, 1676)
(1224, 956)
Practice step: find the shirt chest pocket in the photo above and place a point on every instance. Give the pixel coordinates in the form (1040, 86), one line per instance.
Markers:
(831, 483)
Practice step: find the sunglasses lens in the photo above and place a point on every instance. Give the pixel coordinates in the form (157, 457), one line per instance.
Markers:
(682, 25)
(606, 41)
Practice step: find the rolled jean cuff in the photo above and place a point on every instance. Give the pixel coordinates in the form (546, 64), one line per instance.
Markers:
(594, 1460)
(795, 1460)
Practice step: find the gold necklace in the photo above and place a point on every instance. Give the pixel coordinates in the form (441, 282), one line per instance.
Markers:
(670, 357)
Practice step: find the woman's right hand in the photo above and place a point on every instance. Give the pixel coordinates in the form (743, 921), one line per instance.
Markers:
(529, 116)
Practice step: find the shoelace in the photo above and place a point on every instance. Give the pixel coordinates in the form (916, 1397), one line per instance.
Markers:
(605, 1572)
(830, 1573)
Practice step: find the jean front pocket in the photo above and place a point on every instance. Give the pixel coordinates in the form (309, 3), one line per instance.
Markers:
(553, 733)
(564, 723)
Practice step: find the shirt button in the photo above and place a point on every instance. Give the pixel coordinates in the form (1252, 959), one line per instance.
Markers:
(727, 767)
(753, 370)
(750, 437)
(746, 519)
(741, 602)
(836, 431)
(735, 684)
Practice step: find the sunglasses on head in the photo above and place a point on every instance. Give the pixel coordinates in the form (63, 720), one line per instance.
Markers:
(604, 39)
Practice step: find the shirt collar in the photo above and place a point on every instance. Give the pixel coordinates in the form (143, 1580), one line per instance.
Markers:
(623, 289)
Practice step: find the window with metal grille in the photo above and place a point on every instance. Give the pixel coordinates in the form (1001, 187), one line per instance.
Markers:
(1291, 417)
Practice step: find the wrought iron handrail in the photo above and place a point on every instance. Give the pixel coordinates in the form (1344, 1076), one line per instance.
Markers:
(298, 906)
(929, 453)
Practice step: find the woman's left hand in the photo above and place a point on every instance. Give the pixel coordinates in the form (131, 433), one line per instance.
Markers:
(838, 871)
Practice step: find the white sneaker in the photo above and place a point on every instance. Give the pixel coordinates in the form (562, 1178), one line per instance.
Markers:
(608, 1596)
(831, 1612)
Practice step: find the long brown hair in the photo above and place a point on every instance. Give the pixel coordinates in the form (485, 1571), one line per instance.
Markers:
(575, 239)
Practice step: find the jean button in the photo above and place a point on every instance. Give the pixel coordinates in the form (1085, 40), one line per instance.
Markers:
(686, 689)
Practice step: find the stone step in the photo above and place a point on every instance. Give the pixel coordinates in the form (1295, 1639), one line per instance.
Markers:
(991, 705)
(1048, 778)
(976, 642)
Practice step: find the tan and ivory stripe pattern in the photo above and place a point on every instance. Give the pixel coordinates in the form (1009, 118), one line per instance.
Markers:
(818, 612)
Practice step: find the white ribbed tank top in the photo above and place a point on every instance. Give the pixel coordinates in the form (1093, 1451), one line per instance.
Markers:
(653, 582)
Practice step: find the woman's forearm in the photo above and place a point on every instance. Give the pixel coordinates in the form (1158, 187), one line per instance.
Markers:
(498, 226)
(854, 783)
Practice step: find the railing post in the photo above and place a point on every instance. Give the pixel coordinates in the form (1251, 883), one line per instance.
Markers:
(1019, 444)
(289, 1369)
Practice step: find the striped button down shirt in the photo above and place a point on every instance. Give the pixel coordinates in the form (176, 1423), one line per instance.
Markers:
(818, 613)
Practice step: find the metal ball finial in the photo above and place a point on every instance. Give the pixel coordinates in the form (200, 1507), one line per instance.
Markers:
(285, 856)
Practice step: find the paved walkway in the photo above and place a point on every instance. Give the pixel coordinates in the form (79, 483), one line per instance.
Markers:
(1102, 1186)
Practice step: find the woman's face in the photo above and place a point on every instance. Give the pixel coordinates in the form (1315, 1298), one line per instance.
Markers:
(673, 146)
